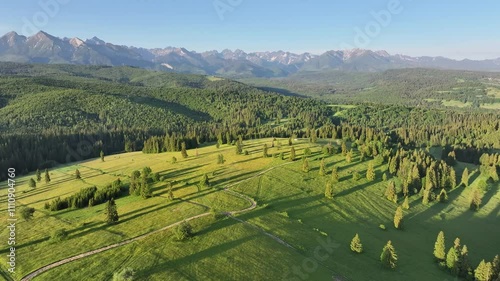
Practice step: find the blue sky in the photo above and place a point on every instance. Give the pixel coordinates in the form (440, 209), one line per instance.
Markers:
(452, 28)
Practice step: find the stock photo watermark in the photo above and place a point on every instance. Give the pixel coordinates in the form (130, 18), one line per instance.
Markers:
(48, 10)
(380, 19)
(225, 6)
(322, 252)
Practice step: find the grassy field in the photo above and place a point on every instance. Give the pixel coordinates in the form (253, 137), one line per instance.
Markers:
(291, 208)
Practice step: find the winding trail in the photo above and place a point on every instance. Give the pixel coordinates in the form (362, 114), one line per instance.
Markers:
(230, 214)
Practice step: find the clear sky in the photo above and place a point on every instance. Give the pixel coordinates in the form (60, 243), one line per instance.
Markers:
(452, 28)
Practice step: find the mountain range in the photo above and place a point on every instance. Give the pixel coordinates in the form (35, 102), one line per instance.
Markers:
(45, 48)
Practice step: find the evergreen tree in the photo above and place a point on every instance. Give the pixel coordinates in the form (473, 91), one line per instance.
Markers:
(329, 190)
(47, 176)
(170, 191)
(204, 181)
(220, 159)
(496, 265)
(27, 213)
(322, 167)
(239, 148)
(476, 199)
(356, 176)
(452, 261)
(265, 151)
(349, 155)
(32, 183)
(370, 172)
(183, 150)
(38, 175)
(406, 203)
(390, 191)
(102, 155)
(356, 245)
(465, 177)
(398, 218)
(393, 165)
(344, 148)
(389, 257)
(292, 154)
(77, 174)
(384, 176)
(463, 262)
(483, 271)
(305, 165)
(146, 191)
(443, 196)
(111, 212)
(335, 174)
(439, 247)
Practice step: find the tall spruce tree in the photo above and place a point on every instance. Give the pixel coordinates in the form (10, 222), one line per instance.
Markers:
(32, 183)
(322, 167)
(329, 190)
(305, 165)
(335, 174)
(465, 177)
(370, 172)
(183, 150)
(452, 261)
(356, 245)
(398, 218)
(389, 256)
(47, 176)
(38, 175)
(440, 247)
(484, 271)
(292, 154)
(111, 212)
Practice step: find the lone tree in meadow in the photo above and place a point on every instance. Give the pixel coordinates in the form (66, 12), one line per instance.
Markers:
(292, 154)
(183, 231)
(77, 174)
(170, 195)
(183, 150)
(476, 199)
(305, 165)
(204, 181)
(239, 147)
(329, 190)
(102, 155)
(322, 167)
(440, 247)
(390, 191)
(465, 177)
(111, 212)
(370, 172)
(27, 213)
(47, 176)
(356, 245)
(389, 257)
(220, 159)
(146, 191)
(398, 218)
(32, 183)
(38, 175)
(335, 174)
(264, 151)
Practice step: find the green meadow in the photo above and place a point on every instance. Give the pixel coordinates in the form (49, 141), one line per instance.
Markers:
(294, 233)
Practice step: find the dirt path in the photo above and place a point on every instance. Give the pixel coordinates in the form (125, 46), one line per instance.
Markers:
(128, 241)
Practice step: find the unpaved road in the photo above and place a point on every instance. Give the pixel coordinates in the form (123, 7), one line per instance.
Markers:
(230, 214)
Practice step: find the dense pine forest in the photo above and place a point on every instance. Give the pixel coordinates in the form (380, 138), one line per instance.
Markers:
(60, 113)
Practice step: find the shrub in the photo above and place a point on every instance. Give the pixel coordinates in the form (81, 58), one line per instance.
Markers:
(59, 235)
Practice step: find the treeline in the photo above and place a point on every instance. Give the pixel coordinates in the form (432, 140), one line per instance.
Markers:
(87, 197)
